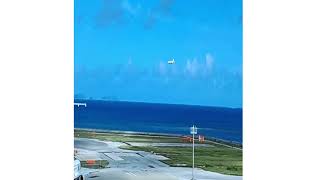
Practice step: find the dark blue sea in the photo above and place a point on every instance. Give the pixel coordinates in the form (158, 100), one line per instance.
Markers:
(215, 122)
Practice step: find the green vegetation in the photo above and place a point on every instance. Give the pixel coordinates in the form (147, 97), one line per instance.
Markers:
(125, 137)
(212, 158)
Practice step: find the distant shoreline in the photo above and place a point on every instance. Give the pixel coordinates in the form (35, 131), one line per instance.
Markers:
(157, 103)
(217, 140)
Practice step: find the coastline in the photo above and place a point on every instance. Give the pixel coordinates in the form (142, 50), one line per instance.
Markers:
(226, 143)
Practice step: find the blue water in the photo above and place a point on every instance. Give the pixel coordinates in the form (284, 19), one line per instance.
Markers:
(217, 122)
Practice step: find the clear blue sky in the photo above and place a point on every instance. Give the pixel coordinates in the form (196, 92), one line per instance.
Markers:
(122, 48)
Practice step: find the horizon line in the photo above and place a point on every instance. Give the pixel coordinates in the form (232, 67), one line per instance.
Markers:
(87, 99)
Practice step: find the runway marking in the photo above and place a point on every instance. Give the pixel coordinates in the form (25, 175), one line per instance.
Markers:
(227, 145)
(113, 156)
(130, 173)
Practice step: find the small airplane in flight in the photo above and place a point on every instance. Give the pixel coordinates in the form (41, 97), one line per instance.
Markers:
(171, 61)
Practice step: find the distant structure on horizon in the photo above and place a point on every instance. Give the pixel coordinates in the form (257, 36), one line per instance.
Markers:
(80, 104)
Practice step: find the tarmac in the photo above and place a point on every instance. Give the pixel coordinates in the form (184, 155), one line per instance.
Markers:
(168, 144)
(134, 165)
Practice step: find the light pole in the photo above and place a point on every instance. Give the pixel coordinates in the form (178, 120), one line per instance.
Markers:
(193, 131)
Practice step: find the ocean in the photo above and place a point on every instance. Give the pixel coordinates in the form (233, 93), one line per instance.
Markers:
(214, 122)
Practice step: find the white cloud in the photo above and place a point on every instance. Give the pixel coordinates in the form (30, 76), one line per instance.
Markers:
(162, 68)
(129, 62)
(209, 61)
(133, 10)
(203, 68)
(192, 67)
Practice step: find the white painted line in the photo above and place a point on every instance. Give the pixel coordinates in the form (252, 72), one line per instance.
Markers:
(113, 156)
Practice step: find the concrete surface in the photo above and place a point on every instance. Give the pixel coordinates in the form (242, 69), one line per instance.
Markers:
(169, 144)
(135, 165)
